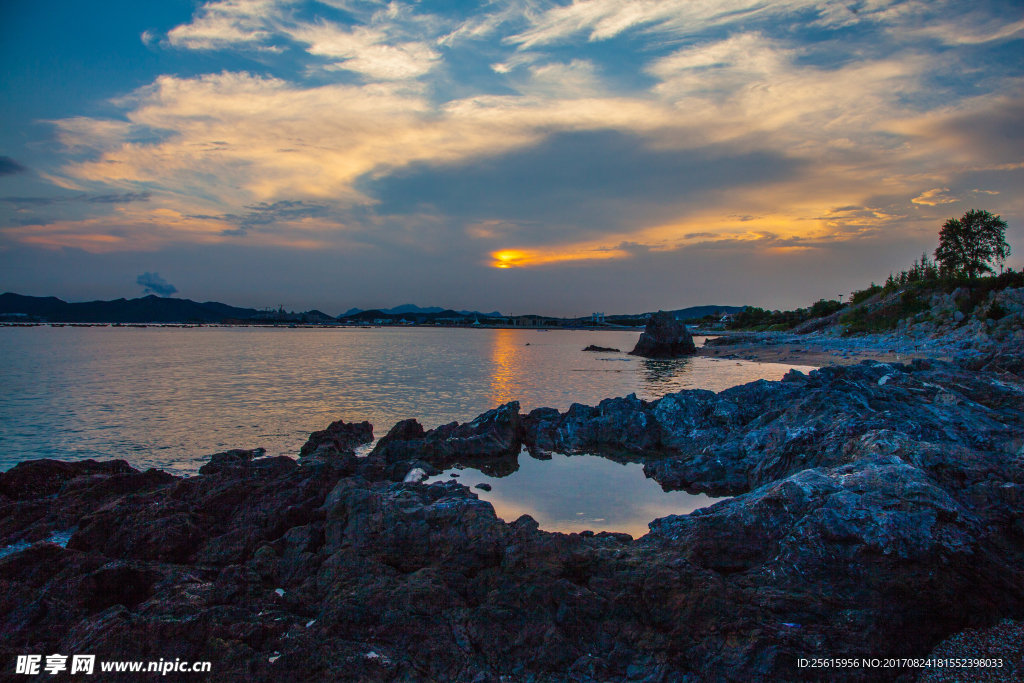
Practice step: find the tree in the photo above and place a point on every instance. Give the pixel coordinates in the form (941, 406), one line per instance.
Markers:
(967, 246)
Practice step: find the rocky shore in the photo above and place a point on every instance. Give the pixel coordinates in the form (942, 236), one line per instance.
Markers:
(878, 511)
(991, 337)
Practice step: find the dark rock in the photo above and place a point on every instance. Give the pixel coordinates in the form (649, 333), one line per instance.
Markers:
(878, 513)
(339, 438)
(236, 457)
(604, 349)
(483, 487)
(40, 478)
(664, 337)
(406, 430)
(487, 442)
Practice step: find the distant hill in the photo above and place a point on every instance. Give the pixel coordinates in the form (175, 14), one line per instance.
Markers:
(701, 311)
(155, 309)
(313, 314)
(387, 314)
(492, 314)
(148, 309)
(412, 309)
(682, 313)
(227, 311)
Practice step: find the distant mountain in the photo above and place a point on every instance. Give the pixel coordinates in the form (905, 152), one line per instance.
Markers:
(147, 309)
(682, 313)
(227, 311)
(701, 311)
(411, 308)
(492, 314)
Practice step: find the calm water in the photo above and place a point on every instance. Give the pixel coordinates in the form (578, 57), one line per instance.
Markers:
(165, 397)
(579, 492)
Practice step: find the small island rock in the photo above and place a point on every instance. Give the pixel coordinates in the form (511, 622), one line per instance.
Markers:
(664, 337)
(603, 349)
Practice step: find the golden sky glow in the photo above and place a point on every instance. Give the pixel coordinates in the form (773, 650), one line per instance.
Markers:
(519, 136)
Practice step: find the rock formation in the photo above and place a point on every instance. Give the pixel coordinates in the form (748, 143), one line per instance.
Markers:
(877, 512)
(664, 337)
(338, 439)
(490, 443)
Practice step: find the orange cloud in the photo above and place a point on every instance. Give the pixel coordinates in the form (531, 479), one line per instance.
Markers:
(149, 231)
(520, 258)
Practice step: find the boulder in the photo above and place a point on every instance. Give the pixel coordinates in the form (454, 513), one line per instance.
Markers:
(338, 439)
(664, 337)
(236, 457)
(487, 442)
(41, 478)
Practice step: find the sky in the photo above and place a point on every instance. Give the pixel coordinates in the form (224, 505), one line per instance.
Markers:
(521, 155)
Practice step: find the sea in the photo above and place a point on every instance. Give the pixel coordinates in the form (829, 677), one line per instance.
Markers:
(168, 397)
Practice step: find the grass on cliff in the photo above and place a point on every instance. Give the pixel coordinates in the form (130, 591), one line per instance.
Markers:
(879, 308)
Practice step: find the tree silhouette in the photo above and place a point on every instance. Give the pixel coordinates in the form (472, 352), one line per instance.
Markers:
(969, 245)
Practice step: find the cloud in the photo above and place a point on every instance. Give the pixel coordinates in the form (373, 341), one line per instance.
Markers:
(601, 130)
(384, 45)
(117, 198)
(231, 23)
(154, 284)
(578, 183)
(602, 20)
(371, 51)
(935, 197)
(265, 214)
(9, 166)
(975, 133)
(969, 30)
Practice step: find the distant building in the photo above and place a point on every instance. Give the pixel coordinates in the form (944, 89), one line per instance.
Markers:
(533, 321)
(279, 315)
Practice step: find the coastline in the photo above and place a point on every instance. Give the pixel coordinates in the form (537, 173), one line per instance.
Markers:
(816, 352)
(875, 508)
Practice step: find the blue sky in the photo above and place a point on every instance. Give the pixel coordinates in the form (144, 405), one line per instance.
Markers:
(529, 156)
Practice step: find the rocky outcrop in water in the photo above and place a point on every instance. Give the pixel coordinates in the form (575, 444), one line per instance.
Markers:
(752, 434)
(490, 443)
(878, 512)
(664, 337)
(338, 439)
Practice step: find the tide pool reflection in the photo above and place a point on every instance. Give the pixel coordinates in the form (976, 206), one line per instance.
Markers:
(579, 493)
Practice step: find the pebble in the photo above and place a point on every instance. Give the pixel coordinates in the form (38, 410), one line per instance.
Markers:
(1004, 641)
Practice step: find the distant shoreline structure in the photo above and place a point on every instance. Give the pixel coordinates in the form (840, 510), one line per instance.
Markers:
(155, 310)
